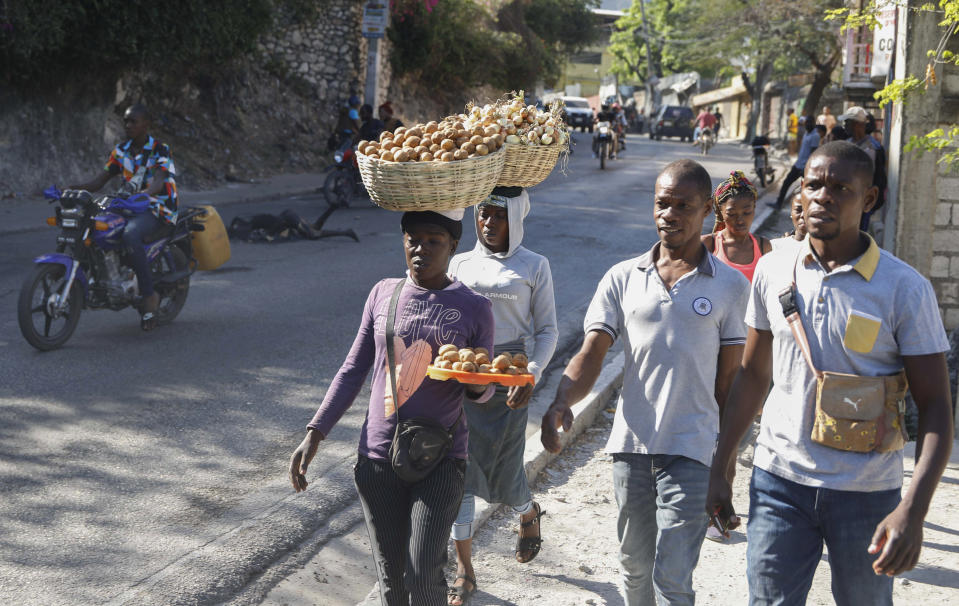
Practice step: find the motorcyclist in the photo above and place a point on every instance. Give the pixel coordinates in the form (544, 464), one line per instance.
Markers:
(703, 121)
(371, 128)
(606, 114)
(348, 123)
(620, 124)
(145, 166)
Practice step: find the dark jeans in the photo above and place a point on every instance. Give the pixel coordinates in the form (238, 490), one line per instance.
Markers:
(788, 524)
(409, 528)
(137, 227)
(794, 173)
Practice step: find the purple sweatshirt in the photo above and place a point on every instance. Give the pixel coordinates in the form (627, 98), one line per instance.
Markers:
(425, 320)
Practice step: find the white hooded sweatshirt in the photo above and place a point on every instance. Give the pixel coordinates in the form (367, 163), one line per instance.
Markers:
(519, 284)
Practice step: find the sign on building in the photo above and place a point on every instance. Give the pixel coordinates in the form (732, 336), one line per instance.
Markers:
(883, 41)
(376, 18)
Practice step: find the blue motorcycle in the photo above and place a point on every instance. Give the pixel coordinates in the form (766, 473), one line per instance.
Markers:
(89, 269)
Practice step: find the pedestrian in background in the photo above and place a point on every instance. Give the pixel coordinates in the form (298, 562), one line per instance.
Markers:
(838, 304)
(408, 524)
(679, 312)
(390, 123)
(879, 177)
(836, 133)
(827, 119)
(792, 129)
(732, 241)
(798, 233)
(810, 142)
(854, 121)
(520, 285)
(719, 120)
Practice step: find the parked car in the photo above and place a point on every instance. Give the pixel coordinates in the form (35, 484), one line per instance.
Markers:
(672, 121)
(578, 113)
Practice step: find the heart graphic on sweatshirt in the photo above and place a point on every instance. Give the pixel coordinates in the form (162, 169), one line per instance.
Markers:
(411, 363)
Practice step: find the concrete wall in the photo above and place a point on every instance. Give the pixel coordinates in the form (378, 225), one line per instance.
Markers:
(927, 206)
(266, 113)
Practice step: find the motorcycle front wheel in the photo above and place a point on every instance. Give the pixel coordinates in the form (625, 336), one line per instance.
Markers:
(602, 155)
(40, 324)
(172, 296)
(338, 188)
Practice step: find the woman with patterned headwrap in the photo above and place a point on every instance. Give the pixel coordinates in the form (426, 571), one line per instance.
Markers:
(731, 241)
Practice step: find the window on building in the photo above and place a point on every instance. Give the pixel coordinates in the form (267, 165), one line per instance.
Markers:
(588, 58)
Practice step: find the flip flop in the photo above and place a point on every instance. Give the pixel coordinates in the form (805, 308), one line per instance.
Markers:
(461, 592)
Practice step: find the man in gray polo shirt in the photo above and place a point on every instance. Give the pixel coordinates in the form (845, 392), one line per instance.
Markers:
(864, 312)
(680, 314)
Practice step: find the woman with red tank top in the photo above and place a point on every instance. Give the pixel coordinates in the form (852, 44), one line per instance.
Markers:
(731, 241)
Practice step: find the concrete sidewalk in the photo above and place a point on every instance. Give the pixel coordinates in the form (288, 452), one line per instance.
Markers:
(28, 214)
(579, 561)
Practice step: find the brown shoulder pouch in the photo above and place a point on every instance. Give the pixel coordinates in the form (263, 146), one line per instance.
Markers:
(860, 414)
(853, 413)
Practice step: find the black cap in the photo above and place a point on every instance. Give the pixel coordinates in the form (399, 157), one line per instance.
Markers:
(430, 217)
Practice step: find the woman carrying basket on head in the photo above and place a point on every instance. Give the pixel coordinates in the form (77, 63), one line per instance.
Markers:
(520, 286)
(408, 522)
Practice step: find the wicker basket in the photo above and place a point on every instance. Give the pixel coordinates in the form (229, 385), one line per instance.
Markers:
(431, 185)
(528, 165)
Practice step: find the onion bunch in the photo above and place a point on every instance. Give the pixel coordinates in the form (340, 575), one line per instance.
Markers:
(478, 132)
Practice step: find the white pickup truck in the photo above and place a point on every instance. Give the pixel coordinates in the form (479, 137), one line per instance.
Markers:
(578, 113)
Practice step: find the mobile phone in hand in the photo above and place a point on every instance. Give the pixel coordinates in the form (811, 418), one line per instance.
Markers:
(720, 524)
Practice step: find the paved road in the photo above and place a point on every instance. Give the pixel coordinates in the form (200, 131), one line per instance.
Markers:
(149, 468)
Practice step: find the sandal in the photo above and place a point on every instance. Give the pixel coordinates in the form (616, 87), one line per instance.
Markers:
(461, 592)
(530, 544)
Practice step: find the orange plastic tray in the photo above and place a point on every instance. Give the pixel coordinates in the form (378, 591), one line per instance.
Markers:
(477, 378)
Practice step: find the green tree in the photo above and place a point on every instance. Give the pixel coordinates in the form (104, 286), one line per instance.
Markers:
(511, 45)
(761, 39)
(651, 41)
(943, 140)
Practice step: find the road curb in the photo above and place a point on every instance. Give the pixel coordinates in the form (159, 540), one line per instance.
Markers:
(769, 194)
(194, 200)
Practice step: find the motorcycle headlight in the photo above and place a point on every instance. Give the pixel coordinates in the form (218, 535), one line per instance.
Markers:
(338, 156)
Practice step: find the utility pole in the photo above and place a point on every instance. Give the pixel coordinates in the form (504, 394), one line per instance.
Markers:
(649, 60)
(376, 18)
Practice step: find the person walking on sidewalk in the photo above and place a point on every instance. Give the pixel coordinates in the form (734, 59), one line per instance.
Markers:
(810, 142)
(827, 119)
(828, 466)
(732, 241)
(680, 313)
(520, 285)
(408, 522)
(798, 233)
(792, 130)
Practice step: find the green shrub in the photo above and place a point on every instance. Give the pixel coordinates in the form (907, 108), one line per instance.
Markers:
(48, 40)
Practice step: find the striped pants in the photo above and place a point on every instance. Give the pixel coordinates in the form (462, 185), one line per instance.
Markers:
(409, 528)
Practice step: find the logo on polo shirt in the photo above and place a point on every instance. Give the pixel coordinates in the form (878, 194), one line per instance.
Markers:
(702, 306)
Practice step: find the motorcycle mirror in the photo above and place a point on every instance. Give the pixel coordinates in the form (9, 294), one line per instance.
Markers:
(52, 194)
